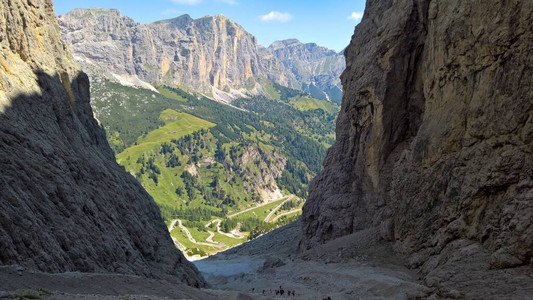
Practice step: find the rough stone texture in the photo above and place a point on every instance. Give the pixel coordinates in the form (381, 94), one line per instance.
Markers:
(316, 69)
(65, 205)
(202, 53)
(434, 137)
(210, 54)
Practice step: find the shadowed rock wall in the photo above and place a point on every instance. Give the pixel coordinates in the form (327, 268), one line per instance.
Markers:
(65, 204)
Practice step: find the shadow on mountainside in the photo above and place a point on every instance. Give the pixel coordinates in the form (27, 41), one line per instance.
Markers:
(65, 204)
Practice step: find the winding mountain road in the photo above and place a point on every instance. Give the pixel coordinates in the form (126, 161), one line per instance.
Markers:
(189, 235)
(276, 209)
(175, 240)
(231, 235)
(284, 214)
(252, 208)
(235, 233)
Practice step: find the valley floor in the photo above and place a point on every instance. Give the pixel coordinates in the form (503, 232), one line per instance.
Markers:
(261, 266)
(238, 273)
(357, 266)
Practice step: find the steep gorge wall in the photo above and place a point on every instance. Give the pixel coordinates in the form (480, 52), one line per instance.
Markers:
(65, 205)
(434, 137)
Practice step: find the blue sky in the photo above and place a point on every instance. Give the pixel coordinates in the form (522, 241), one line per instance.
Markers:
(329, 23)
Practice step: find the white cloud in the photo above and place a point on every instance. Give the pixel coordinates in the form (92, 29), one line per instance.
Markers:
(230, 2)
(355, 16)
(171, 12)
(276, 16)
(187, 2)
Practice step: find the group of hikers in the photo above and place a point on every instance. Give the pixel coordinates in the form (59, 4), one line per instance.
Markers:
(279, 292)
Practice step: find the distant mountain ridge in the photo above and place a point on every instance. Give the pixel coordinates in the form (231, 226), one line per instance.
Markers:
(315, 68)
(212, 55)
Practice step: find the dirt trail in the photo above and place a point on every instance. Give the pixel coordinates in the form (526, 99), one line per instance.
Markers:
(356, 266)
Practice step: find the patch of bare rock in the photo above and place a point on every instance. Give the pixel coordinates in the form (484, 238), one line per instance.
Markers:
(359, 266)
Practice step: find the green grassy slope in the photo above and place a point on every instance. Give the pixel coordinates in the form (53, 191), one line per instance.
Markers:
(202, 160)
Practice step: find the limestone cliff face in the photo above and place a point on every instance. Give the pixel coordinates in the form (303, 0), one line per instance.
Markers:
(202, 53)
(65, 205)
(434, 137)
(316, 69)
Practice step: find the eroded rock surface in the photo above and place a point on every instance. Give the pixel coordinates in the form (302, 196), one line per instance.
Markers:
(210, 55)
(434, 137)
(203, 53)
(65, 204)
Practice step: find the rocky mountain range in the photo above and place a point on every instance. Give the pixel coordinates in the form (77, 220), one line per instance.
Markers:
(434, 137)
(65, 204)
(432, 168)
(316, 69)
(212, 55)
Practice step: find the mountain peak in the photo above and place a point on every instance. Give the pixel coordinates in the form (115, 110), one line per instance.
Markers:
(285, 43)
(86, 12)
(221, 17)
(237, 59)
(183, 19)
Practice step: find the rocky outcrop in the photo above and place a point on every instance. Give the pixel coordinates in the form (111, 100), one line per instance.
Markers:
(434, 137)
(65, 204)
(212, 51)
(212, 55)
(316, 69)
